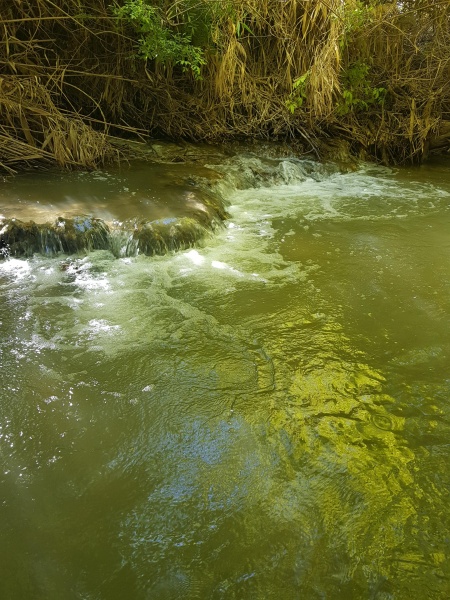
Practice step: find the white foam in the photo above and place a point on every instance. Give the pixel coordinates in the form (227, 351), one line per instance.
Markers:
(18, 268)
(195, 257)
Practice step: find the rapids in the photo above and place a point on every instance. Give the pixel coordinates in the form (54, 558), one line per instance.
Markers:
(262, 415)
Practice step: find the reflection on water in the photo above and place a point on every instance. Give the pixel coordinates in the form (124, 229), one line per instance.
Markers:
(263, 417)
(145, 190)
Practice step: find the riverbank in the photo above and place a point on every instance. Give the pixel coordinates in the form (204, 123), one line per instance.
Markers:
(371, 78)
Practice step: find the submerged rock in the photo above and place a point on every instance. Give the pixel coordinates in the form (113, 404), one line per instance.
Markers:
(188, 209)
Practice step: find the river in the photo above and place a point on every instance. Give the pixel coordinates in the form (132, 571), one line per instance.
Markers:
(264, 415)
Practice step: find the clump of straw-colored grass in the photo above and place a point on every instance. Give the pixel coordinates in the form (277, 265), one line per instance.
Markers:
(71, 74)
(34, 131)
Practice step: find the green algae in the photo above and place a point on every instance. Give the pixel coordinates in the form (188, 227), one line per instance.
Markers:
(79, 234)
(84, 234)
(166, 235)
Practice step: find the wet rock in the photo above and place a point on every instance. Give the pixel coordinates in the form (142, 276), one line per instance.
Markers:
(166, 235)
(83, 234)
(18, 238)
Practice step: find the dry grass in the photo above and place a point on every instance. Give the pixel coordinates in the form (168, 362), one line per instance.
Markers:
(70, 77)
(34, 131)
(408, 53)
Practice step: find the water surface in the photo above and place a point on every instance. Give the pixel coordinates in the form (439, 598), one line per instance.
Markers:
(131, 191)
(266, 416)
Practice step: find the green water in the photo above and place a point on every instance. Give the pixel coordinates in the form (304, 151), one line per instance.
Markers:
(266, 416)
(141, 190)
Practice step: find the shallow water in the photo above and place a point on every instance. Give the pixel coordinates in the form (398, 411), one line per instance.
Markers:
(266, 416)
(140, 190)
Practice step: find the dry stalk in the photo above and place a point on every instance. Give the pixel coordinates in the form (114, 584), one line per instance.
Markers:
(70, 76)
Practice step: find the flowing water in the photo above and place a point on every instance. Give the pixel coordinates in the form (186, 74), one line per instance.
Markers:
(264, 416)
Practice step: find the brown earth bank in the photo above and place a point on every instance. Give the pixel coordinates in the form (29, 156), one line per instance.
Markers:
(334, 78)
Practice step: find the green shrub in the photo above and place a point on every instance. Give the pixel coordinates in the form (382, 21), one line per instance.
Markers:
(358, 93)
(158, 40)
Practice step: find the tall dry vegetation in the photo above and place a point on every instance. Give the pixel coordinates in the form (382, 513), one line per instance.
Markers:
(372, 73)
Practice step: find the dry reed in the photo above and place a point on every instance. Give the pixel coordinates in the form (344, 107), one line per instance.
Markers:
(70, 76)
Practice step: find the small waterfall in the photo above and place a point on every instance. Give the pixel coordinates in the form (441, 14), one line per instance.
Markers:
(84, 234)
(243, 172)
(79, 234)
(156, 236)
